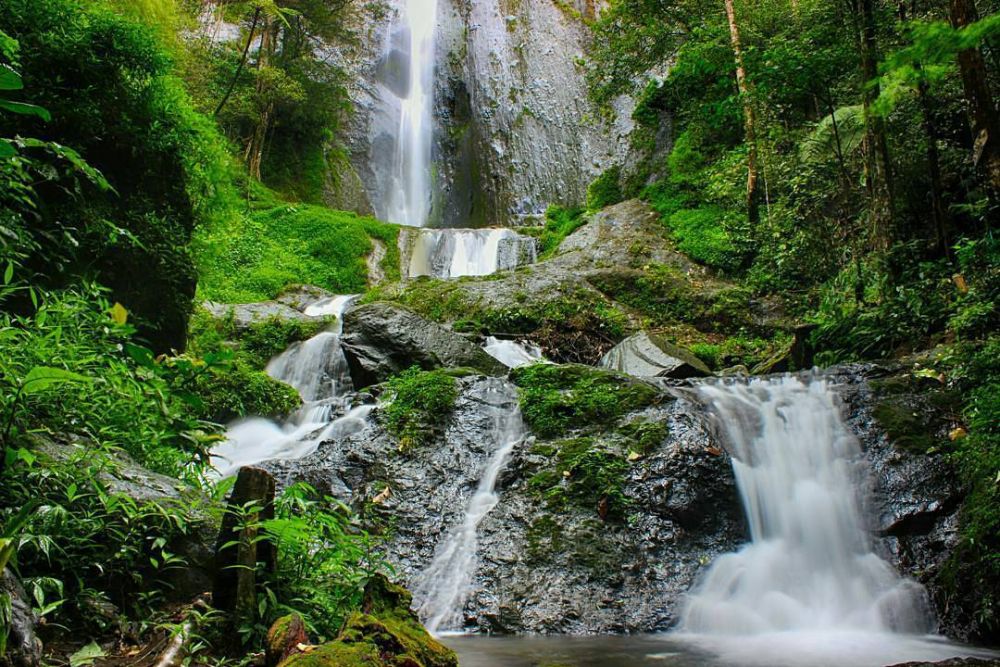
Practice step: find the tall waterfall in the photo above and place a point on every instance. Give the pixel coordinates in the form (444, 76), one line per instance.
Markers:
(444, 586)
(318, 370)
(809, 581)
(409, 197)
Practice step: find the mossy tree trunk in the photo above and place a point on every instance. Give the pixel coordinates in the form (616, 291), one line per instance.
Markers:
(749, 118)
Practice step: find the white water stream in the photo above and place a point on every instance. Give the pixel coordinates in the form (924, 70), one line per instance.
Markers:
(318, 370)
(453, 253)
(512, 353)
(409, 197)
(442, 589)
(809, 589)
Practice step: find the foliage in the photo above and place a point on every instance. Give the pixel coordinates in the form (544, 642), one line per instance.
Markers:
(128, 399)
(238, 390)
(560, 222)
(605, 190)
(325, 562)
(557, 399)
(282, 244)
(420, 403)
(85, 545)
(130, 119)
(268, 338)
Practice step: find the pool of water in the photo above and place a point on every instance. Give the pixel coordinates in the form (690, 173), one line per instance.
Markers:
(767, 650)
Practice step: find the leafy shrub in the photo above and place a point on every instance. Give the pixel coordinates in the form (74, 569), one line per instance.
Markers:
(263, 340)
(557, 399)
(85, 545)
(420, 402)
(240, 391)
(129, 400)
(131, 120)
(605, 190)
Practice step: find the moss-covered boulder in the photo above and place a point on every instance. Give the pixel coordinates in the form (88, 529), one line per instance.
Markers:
(384, 633)
(284, 639)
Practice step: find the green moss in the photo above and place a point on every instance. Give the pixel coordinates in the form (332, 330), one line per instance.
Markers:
(560, 222)
(914, 411)
(586, 472)
(556, 399)
(282, 244)
(605, 190)
(265, 339)
(420, 403)
(643, 437)
(702, 236)
(240, 391)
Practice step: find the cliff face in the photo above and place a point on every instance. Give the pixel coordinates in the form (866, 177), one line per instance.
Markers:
(515, 130)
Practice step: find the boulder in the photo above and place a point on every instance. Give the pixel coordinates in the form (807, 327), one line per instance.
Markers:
(381, 339)
(301, 297)
(649, 355)
(24, 649)
(385, 633)
(284, 639)
(245, 314)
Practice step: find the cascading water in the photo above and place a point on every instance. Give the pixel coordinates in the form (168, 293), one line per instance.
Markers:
(452, 253)
(442, 589)
(512, 353)
(318, 370)
(409, 196)
(808, 589)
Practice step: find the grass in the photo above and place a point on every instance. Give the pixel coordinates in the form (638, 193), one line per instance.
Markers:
(280, 244)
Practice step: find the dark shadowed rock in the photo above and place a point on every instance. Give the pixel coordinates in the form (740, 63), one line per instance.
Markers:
(649, 355)
(24, 649)
(381, 339)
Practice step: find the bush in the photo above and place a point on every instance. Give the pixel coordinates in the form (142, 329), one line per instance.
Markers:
(420, 403)
(605, 190)
(240, 391)
(130, 119)
(558, 399)
(702, 236)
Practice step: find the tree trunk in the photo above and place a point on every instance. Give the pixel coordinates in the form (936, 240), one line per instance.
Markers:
(749, 120)
(878, 173)
(254, 154)
(239, 552)
(982, 112)
(938, 212)
(243, 60)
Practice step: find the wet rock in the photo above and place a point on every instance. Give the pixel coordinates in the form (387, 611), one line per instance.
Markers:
(24, 648)
(649, 355)
(245, 314)
(381, 339)
(300, 297)
(954, 662)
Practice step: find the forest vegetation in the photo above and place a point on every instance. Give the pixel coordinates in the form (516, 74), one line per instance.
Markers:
(840, 156)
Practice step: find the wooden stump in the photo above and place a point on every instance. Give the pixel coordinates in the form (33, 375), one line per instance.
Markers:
(239, 553)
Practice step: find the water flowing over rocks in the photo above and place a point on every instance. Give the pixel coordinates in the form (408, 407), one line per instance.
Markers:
(381, 339)
(567, 570)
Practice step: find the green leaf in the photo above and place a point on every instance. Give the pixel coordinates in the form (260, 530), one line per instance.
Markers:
(8, 275)
(86, 656)
(25, 109)
(7, 149)
(119, 314)
(41, 378)
(9, 79)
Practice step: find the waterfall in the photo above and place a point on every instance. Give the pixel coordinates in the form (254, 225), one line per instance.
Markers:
(452, 253)
(512, 353)
(444, 586)
(318, 370)
(409, 196)
(809, 585)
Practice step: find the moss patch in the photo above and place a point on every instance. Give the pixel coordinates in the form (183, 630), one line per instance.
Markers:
(585, 472)
(557, 399)
(420, 403)
(916, 413)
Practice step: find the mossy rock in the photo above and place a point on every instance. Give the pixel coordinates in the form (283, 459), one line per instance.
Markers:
(385, 633)
(557, 399)
(284, 637)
